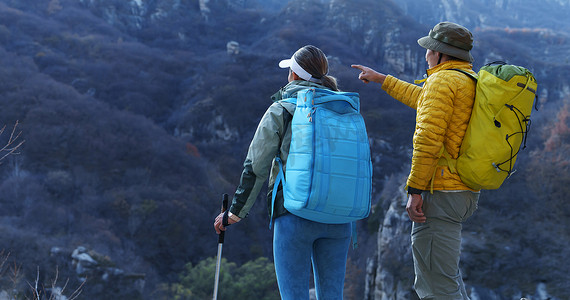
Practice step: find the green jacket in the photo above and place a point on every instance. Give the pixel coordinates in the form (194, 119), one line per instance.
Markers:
(272, 137)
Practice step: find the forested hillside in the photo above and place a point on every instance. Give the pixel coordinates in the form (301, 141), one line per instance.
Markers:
(136, 118)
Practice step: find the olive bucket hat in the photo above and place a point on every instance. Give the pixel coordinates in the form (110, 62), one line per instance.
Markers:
(451, 39)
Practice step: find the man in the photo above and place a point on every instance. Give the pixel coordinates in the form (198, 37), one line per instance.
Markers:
(438, 201)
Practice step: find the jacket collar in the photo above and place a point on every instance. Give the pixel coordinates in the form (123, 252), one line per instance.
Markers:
(450, 64)
(291, 89)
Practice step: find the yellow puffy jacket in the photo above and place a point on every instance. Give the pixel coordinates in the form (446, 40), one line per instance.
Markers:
(443, 106)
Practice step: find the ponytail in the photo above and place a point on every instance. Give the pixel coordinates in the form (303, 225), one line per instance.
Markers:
(329, 82)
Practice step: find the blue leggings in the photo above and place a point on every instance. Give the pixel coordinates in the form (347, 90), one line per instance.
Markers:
(297, 241)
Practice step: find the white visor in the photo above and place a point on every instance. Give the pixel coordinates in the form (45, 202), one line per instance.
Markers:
(292, 63)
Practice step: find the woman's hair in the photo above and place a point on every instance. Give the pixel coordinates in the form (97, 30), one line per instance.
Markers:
(314, 61)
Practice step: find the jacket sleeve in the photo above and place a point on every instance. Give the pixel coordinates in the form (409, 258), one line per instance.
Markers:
(434, 110)
(402, 91)
(261, 153)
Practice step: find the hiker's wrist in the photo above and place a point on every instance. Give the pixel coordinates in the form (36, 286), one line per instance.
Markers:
(381, 78)
(233, 217)
(414, 191)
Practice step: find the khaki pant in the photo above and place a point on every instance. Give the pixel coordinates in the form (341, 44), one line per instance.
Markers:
(436, 244)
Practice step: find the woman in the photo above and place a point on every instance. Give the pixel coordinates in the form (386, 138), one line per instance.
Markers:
(296, 241)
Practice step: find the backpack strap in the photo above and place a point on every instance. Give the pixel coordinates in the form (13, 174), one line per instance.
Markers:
(466, 73)
(445, 159)
(354, 235)
(280, 179)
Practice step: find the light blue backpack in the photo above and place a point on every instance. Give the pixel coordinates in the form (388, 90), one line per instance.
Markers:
(328, 171)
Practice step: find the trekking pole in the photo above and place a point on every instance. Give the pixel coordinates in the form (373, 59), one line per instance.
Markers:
(220, 244)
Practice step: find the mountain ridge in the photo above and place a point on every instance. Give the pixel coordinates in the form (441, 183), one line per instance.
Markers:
(136, 118)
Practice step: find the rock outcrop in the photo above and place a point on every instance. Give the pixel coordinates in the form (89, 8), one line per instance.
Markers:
(489, 13)
(486, 253)
(390, 274)
(98, 272)
(232, 48)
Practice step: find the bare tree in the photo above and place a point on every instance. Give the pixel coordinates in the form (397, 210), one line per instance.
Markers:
(55, 292)
(12, 144)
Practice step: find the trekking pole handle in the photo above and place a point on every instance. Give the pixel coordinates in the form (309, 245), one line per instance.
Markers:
(224, 208)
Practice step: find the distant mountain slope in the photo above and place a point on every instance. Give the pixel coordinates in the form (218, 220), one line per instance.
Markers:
(136, 118)
(551, 14)
(542, 27)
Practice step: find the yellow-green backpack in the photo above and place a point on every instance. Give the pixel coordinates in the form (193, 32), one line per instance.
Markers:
(498, 126)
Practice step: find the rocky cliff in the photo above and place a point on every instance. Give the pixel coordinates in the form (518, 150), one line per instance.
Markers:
(138, 114)
(390, 271)
(491, 13)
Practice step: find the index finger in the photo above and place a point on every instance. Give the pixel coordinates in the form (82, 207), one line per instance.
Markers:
(216, 228)
(360, 67)
(417, 217)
